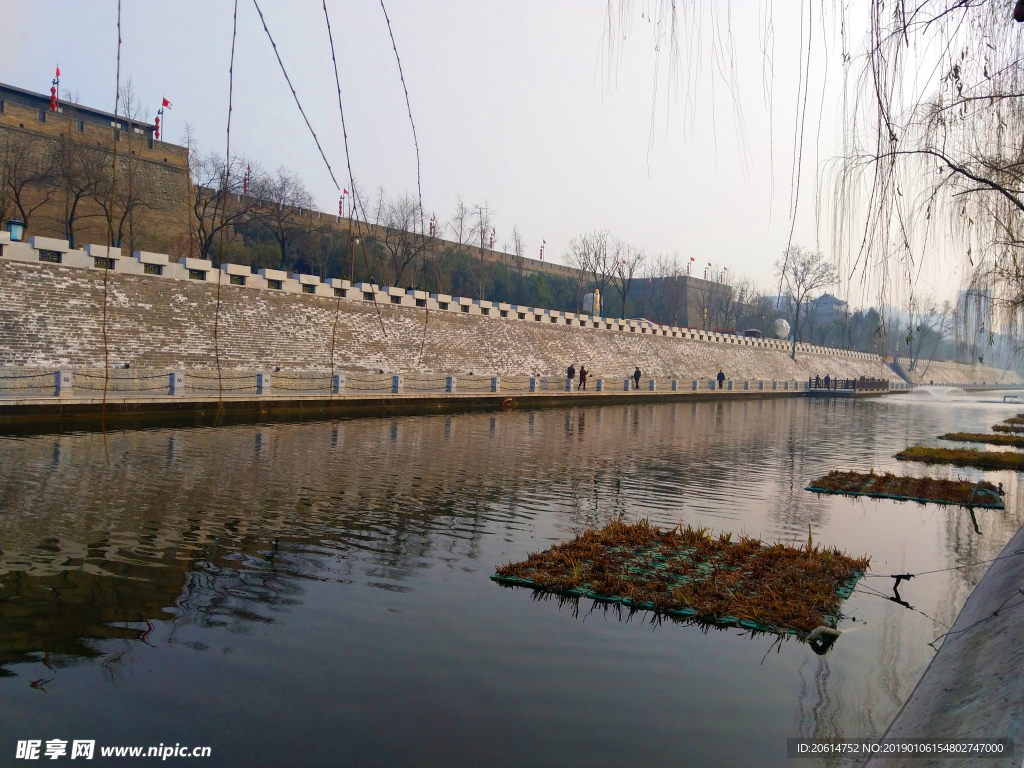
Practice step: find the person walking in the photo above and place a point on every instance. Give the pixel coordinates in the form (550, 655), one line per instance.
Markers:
(721, 379)
(828, 381)
(583, 377)
(636, 378)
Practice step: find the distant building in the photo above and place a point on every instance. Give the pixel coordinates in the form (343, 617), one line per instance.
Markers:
(690, 301)
(829, 305)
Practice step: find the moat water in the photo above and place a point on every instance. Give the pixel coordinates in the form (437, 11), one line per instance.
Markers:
(318, 593)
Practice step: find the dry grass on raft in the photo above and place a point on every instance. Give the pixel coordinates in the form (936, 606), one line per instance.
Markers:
(779, 586)
(1008, 427)
(964, 457)
(1013, 441)
(953, 491)
(1018, 419)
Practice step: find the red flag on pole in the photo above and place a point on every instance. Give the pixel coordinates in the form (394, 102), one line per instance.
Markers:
(167, 104)
(58, 70)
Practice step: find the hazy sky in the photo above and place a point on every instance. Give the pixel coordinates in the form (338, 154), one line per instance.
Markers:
(513, 105)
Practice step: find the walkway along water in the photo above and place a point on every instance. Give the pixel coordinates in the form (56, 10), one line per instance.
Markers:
(125, 408)
(973, 688)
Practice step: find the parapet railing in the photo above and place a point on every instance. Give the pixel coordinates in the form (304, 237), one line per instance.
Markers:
(118, 382)
(862, 384)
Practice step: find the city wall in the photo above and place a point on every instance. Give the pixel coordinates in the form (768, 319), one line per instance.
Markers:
(163, 173)
(160, 168)
(956, 374)
(52, 315)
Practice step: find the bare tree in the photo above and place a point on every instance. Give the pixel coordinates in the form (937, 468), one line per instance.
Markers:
(802, 272)
(596, 258)
(212, 205)
(745, 294)
(518, 248)
(283, 209)
(135, 193)
(724, 301)
(460, 224)
(327, 248)
(483, 224)
(578, 258)
(927, 326)
(125, 207)
(27, 166)
(759, 310)
(629, 261)
(673, 288)
(401, 235)
(79, 171)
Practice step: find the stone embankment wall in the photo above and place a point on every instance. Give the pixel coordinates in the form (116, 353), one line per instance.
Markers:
(956, 373)
(52, 315)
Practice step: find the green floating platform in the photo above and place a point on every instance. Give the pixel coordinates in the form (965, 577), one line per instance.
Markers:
(923, 490)
(669, 571)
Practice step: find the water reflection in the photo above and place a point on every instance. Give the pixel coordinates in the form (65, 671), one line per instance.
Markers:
(341, 570)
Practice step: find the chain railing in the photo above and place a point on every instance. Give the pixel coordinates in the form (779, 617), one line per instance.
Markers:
(424, 382)
(232, 383)
(369, 382)
(302, 381)
(26, 381)
(205, 383)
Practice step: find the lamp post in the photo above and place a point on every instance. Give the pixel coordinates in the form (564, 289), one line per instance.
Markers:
(16, 228)
(352, 269)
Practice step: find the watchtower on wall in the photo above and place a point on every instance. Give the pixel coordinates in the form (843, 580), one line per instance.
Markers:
(34, 142)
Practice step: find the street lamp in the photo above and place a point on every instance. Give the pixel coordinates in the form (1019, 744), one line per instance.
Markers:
(352, 270)
(16, 228)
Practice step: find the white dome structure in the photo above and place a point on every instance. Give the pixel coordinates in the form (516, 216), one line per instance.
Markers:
(781, 328)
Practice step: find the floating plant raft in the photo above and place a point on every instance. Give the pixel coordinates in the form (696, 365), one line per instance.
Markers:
(1008, 427)
(964, 457)
(1018, 419)
(922, 489)
(1012, 441)
(684, 573)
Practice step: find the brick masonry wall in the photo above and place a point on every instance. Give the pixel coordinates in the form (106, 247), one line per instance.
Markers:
(51, 315)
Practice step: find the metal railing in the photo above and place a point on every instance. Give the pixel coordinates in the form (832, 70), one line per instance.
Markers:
(862, 384)
(204, 382)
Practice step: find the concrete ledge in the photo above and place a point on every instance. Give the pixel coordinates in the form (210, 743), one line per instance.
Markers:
(25, 415)
(843, 394)
(973, 687)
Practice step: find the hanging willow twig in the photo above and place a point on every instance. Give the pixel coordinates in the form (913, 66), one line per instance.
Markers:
(110, 228)
(225, 188)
